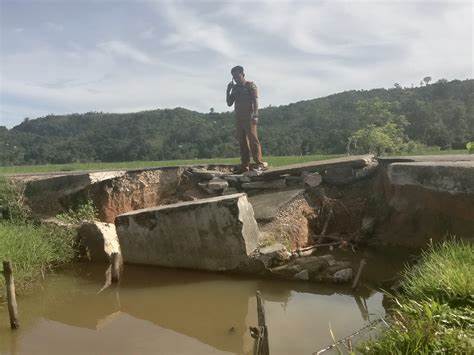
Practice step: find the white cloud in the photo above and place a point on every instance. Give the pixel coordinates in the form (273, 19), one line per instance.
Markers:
(192, 32)
(125, 50)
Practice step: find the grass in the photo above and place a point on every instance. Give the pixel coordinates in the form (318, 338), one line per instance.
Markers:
(273, 161)
(435, 311)
(33, 250)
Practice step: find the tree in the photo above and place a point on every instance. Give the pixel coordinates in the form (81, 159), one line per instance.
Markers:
(427, 80)
(388, 138)
(397, 86)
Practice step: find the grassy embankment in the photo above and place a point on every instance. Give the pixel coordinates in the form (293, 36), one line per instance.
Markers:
(273, 161)
(32, 248)
(434, 312)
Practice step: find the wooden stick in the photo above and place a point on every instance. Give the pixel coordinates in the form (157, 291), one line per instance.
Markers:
(11, 296)
(260, 333)
(359, 272)
(116, 263)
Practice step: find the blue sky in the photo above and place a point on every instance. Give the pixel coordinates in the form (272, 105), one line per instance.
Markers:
(123, 56)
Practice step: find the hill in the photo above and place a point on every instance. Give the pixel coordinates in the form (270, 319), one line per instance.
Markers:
(440, 114)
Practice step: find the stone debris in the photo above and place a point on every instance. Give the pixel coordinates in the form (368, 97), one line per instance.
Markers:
(217, 185)
(203, 174)
(323, 268)
(274, 255)
(343, 276)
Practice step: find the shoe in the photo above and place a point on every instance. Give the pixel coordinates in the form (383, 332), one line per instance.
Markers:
(262, 166)
(241, 170)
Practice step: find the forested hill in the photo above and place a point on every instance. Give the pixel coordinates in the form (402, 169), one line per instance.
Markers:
(440, 114)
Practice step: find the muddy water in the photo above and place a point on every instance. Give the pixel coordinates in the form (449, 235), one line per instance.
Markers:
(163, 311)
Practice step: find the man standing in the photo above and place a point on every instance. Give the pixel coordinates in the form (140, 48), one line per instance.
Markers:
(244, 95)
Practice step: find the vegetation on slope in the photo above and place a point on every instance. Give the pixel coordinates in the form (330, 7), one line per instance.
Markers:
(435, 312)
(33, 249)
(382, 121)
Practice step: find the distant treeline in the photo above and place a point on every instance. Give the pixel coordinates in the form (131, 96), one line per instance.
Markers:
(440, 114)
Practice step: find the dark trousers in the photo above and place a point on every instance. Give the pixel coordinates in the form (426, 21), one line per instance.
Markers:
(248, 141)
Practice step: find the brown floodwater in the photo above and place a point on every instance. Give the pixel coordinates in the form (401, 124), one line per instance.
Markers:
(166, 311)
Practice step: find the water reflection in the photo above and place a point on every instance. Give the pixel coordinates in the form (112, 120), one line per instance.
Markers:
(169, 312)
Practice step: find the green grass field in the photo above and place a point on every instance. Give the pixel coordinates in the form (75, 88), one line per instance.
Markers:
(273, 161)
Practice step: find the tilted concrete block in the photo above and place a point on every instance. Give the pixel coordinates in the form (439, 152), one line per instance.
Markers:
(217, 233)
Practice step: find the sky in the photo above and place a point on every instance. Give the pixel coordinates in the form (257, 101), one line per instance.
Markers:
(59, 57)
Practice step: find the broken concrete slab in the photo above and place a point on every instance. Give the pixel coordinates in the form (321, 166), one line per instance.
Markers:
(355, 162)
(426, 158)
(99, 240)
(215, 234)
(265, 185)
(267, 205)
(453, 177)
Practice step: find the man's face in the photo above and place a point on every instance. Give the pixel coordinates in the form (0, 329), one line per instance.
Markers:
(238, 77)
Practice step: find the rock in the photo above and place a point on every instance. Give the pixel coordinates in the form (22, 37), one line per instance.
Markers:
(217, 185)
(302, 253)
(302, 275)
(274, 254)
(286, 271)
(99, 240)
(312, 179)
(314, 264)
(329, 259)
(253, 173)
(367, 225)
(217, 234)
(203, 174)
(342, 276)
(262, 185)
